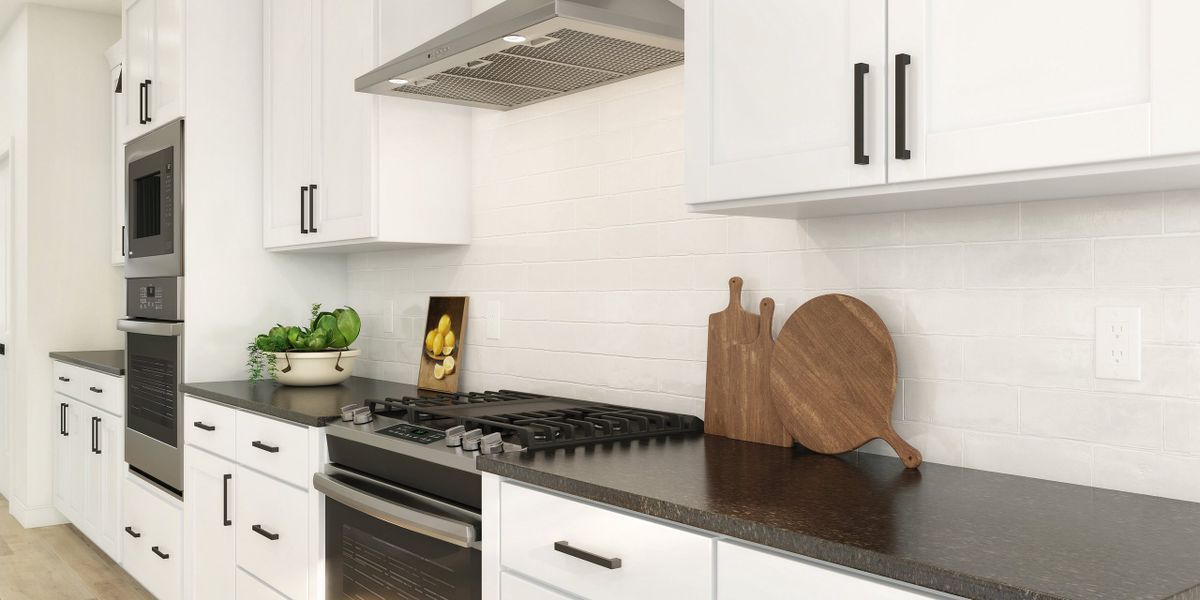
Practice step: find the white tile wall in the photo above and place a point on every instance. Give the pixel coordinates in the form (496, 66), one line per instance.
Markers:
(606, 283)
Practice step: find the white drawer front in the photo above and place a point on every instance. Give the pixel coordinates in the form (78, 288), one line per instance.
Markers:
(66, 379)
(516, 588)
(102, 391)
(157, 520)
(645, 548)
(274, 447)
(249, 588)
(269, 509)
(210, 426)
(748, 574)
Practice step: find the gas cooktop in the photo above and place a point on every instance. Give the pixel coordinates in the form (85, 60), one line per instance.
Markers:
(454, 428)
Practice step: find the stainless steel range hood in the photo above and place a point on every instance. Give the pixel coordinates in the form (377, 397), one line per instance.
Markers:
(526, 51)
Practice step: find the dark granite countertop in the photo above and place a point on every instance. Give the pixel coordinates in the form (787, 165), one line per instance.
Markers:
(312, 406)
(971, 533)
(105, 361)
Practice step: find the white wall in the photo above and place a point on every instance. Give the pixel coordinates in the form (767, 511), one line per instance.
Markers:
(234, 288)
(606, 284)
(66, 294)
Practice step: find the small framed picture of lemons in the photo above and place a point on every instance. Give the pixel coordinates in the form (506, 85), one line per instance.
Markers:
(444, 335)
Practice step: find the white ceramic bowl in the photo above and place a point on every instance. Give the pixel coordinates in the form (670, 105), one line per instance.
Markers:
(314, 368)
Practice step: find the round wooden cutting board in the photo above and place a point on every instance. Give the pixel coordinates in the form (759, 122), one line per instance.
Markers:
(833, 377)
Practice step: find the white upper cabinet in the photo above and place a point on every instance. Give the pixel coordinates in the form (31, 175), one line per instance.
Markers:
(351, 169)
(1026, 84)
(788, 96)
(964, 102)
(116, 56)
(153, 74)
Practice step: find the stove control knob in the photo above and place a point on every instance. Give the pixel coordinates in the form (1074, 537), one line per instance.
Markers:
(362, 416)
(470, 440)
(491, 443)
(454, 436)
(348, 412)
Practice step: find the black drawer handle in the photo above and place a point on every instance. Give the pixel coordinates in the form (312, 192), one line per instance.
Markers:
(133, 534)
(264, 447)
(263, 532)
(584, 555)
(860, 113)
(202, 425)
(96, 390)
(64, 379)
(160, 553)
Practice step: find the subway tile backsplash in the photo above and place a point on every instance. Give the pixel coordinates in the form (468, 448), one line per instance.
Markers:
(605, 283)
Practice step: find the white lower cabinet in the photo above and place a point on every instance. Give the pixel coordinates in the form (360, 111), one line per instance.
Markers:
(89, 453)
(517, 588)
(611, 554)
(252, 519)
(748, 574)
(152, 540)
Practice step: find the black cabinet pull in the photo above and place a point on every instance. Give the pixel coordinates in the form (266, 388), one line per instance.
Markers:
(95, 390)
(860, 109)
(264, 447)
(303, 189)
(312, 212)
(64, 379)
(902, 63)
(160, 553)
(584, 555)
(62, 418)
(96, 435)
(142, 103)
(133, 534)
(225, 501)
(147, 88)
(202, 425)
(122, 240)
(263, 532)
(93, 435)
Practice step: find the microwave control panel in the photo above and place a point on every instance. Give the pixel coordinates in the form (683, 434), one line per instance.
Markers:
(155, 298)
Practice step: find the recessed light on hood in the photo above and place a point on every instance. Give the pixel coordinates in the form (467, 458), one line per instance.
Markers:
(525, 51)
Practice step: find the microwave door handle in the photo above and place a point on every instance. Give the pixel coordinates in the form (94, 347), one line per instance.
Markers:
(158, 328)
(435, 526)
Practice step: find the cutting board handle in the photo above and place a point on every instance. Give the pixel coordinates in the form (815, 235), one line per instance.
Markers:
(911, 457)
(766, 317)
(735, 292)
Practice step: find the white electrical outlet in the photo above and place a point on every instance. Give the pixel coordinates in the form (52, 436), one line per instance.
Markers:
(1119, 343)
(493, 320)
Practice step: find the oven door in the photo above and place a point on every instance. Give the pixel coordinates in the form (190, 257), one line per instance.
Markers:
(153, 432)
(385, 541)
(153, 193)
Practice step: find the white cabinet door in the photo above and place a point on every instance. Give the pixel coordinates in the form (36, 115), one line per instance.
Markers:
(517, 588)
(208, 525)
(139, 33)
(747, 574)
(166, 91)
(776, 90)
(999, 87)
(345, 195)
(249, 588)
(288, 91)
(103, 463)
(272, 532)
(70, 444)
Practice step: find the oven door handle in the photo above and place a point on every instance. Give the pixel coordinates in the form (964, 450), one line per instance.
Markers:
(159, 328)
(435, 526)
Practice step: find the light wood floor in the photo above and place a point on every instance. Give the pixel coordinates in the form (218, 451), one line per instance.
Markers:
(58, 563)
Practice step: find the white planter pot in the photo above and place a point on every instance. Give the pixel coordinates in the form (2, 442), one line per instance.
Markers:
(314, 368)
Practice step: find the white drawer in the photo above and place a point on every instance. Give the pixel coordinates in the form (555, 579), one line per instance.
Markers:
(748, 574)
(274, 447)
(66, 379)
(249, 588)
(154, 556)
(646, 549)
(272, 532)
(517, 588)
(102, 391)
(210, 426)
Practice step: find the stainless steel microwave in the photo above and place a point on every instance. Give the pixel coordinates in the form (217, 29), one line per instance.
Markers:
(154, 203)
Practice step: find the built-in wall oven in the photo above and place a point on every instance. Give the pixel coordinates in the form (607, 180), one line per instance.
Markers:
(154, 306)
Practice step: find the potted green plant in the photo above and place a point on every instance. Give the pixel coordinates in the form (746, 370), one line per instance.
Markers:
(319, 354)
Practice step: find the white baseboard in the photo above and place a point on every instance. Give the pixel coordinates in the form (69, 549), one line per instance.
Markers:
(37, 516)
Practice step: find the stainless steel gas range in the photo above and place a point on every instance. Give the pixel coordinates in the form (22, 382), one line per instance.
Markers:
(402, 494)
